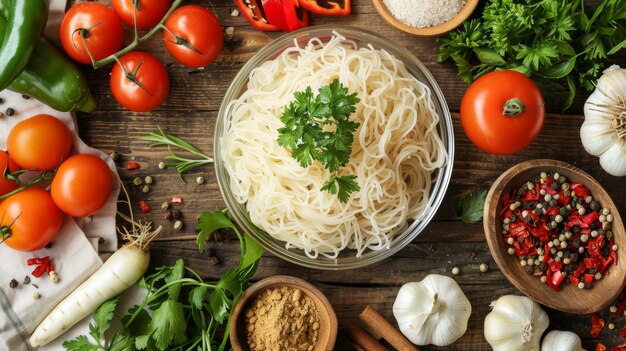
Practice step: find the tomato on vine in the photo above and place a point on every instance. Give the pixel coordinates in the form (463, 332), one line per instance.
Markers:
(7, 164)
(29, 219)
(82, 185)
(139, 81)
(148, 12)
(40, 143)
(502, 112)
(193, 36)
(91, 29)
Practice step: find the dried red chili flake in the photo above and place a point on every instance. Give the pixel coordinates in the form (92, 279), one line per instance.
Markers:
(620, 347)
(600, 347)
(597, 324)
(144, 206)
(43, 265)
(177, 199)
(557, 231)
(131, 165)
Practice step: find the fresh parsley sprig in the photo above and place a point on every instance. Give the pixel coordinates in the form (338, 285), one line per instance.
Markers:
(187, 313)
(562, 45)
(318, 128)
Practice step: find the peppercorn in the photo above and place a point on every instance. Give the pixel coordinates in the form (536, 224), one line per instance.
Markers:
(145, 189)
(483, 267)
(210, 252)
(177, 214)
(114, 156)
(165, 205)
(25, 97)
(200, 180)
(9, 112)
(137, 181)
(162, 165)
(178, 225)
(456, 271)
(573, 257)
(575, 229)
(26, 280)
(529, 269)
(594, 205)
(581, 285)
(611, 326)
(613, 309)
(13, 284)
(54, 277)
(36, 295)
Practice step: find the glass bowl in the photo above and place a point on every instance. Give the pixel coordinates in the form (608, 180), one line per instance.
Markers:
(441, 178)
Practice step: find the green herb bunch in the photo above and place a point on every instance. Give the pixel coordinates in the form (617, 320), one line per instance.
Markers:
(318, 128)
(181, 311)
(562, 44)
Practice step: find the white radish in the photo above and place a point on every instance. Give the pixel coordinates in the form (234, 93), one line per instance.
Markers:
(117, 274)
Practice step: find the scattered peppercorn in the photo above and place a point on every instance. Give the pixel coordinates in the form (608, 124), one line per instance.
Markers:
(48, 245)
(137, 181)
(26, 280)
(165, 205)
(200, 180)
(483, 267)
(168, 215)
(178, 225)
(145, 189)
(36, 295)
(611, 326)
(13, 284)
(114, 156)
(9, 112)
(148, 180)
(54, 277)
(162, 165)
(456, 271)
(176, 214)
(25, 97)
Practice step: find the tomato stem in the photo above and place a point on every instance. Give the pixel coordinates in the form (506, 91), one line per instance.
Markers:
(46, 176)
(138, 40)
(182, 41)
(513, 107)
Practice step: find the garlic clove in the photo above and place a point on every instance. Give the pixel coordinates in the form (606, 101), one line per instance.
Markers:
(597, 136)
(613, 160)
(558, 340)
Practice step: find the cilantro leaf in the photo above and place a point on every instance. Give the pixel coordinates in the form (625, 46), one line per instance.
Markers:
(177, 272)
(81, 343)
(317, 128)
(469, 208)
(168, 325)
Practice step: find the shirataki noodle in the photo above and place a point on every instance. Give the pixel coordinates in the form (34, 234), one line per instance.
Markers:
(395, 150)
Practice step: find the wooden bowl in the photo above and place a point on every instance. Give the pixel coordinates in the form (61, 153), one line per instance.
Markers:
(328, 319)
(570, 298)
(434, 31)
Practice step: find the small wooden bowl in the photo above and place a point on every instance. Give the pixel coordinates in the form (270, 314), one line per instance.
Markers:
(570, 298)
(434, 31)
(328, 319)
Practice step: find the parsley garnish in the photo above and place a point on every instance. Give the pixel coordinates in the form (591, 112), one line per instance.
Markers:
(317, 128)
(561, 44)
(187, 312)
(469, 208)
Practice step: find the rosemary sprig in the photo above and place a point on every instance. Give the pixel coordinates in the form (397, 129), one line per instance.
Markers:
(182, 164)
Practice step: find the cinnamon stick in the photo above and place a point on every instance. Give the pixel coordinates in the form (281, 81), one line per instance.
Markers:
(356, 346)
(380, 325)
(361, 337)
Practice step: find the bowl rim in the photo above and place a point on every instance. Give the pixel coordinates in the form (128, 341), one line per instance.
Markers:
(441, 177)
(536, 289)
(286, 280)
(433, 31)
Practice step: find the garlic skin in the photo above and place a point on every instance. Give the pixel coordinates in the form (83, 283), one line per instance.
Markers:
(558, 340)
(516, 323)
(603, 132)
(433, 311)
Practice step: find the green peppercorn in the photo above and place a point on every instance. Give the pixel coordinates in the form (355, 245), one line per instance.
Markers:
(200, 180)
(165, 205)
(137, 181)
(148, 180)
(178, 225)
(145, 189)
(161, 165)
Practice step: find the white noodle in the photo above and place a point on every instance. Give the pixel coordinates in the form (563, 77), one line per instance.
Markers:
(395, 150)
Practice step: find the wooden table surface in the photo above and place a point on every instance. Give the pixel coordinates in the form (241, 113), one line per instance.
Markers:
(191, 110)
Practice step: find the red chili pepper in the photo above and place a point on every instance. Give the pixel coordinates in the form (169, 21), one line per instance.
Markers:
(588, 278)
(275, 14)
(177, 199)
(579, 190)
(556, 280)
(50, 268)
(591, 217)
(592, 263)
(327, 7)
(620, 347)
(580, 270)
(552, 211)
(597, 324)
(253, 12)
(563, 200)
(600, 347)
(130, 165)
(39, 271)
(144, 206)
(573, 280)
(594, 246)
(32, 261)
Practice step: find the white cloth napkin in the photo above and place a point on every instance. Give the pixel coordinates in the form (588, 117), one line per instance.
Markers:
(74, 252)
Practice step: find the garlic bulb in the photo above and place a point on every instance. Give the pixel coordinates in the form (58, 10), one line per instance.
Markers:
(603, 133)
(433, 311)
(516, 323)
(557, 340)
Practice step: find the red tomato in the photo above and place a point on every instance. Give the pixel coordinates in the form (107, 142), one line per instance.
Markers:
(40, 143)
(100, 28)
(146, 70)
(31, 219)
(82, 185)
(502, 112)
(198, 36)
(149, 12)
(6, 185)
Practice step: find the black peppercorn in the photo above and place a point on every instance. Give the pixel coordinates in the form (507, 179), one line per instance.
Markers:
(25, 97)
(9, 112)
(605, 250)
(594, 225)
(513, 217)
(177, 214)
(13, 284)
(554, 186)
(595, 206)
(592, 271)
(538, 211)
(575, 229)
(26, 280)
(573, 257)
(563, 211)
(576, 242)
(529, 269)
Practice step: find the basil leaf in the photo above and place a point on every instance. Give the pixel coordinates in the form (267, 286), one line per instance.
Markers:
(560, 70)
(489, 56)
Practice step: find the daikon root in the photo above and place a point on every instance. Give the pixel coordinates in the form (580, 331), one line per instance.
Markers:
(118, 273)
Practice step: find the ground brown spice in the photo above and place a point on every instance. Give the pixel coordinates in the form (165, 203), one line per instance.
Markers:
(280, 319)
